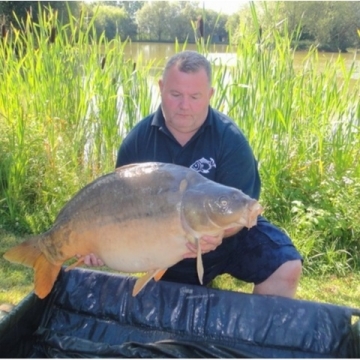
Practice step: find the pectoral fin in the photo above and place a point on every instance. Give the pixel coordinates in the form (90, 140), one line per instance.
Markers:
(159, 274)
(142, 281)
(199, 263)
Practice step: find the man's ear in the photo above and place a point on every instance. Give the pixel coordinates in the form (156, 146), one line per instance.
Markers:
(212, 90)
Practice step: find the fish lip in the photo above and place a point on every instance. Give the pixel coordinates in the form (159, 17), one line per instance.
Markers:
(255, 209)
(252, 209)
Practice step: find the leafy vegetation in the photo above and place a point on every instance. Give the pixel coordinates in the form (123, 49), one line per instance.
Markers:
(328, 25)
(66, 101)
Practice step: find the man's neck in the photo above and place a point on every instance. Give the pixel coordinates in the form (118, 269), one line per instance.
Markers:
(182, 137)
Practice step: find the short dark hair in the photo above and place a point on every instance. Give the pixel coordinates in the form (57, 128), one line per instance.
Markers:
(189, 62)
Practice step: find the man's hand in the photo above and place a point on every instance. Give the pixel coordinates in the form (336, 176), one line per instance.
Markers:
(209, 243)
(91, 260)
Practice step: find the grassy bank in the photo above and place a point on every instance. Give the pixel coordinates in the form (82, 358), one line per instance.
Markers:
(16, 281)
(67, 101)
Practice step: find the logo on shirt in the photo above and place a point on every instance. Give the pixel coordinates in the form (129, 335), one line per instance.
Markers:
(203, 165)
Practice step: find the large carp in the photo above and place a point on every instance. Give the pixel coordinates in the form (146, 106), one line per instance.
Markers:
(138, 218)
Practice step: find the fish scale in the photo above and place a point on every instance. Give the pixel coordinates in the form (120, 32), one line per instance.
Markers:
(138, 218)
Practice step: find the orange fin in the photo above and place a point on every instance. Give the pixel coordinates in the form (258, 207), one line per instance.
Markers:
(25, 253)
(159, 274)
(75, 264)
(142, 281)
(45, 276)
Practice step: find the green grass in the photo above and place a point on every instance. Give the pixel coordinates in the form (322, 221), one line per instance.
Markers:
(63, 117)
(16, 281)
(331, 289)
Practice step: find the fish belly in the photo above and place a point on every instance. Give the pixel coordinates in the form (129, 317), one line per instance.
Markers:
(137, 245)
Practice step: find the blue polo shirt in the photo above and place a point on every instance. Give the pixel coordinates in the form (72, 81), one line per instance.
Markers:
(218, 150)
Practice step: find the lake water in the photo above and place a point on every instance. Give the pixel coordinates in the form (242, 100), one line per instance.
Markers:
(160, 52)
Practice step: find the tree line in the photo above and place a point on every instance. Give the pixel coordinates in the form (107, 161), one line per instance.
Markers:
(329, 25)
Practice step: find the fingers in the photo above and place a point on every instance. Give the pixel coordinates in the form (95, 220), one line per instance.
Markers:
(232, 231)
(190, 255)
(207, 244)
(92, 260)
(192, 251)
(210, 242)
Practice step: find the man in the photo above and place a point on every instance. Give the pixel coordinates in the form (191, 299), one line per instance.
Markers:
(186, 130)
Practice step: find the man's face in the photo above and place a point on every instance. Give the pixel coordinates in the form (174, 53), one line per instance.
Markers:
(185, 98)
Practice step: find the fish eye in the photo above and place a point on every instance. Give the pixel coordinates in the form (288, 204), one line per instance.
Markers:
(223, 202)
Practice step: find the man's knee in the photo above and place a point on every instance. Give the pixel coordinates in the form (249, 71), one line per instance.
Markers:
(283, 282)
(291, 272)
(291, 268)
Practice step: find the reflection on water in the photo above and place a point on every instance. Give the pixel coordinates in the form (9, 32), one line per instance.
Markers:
(160, 52)
(350, 58)
(220, 54)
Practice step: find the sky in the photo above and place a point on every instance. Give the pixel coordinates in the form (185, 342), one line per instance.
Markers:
(225, 6)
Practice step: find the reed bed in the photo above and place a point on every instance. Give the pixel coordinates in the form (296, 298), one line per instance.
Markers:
(68, 97)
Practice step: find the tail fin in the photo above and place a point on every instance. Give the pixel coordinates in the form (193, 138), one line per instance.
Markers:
(26, 253)
(29, 254)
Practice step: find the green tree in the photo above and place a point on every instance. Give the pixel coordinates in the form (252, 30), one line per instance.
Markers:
(21, 9)
(154, 20)
(215, 26)
(330, 25)
(131, 7)
(168, 21)
(335, 29)
(113, 20)
(182, 23)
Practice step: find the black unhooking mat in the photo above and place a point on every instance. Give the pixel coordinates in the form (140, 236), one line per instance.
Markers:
(93, 314)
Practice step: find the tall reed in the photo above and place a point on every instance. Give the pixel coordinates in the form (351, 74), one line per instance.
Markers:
(66, 104)
(303, 124)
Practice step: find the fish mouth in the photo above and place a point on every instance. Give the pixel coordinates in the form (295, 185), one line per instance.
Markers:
(247, 217)
(254, 210)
